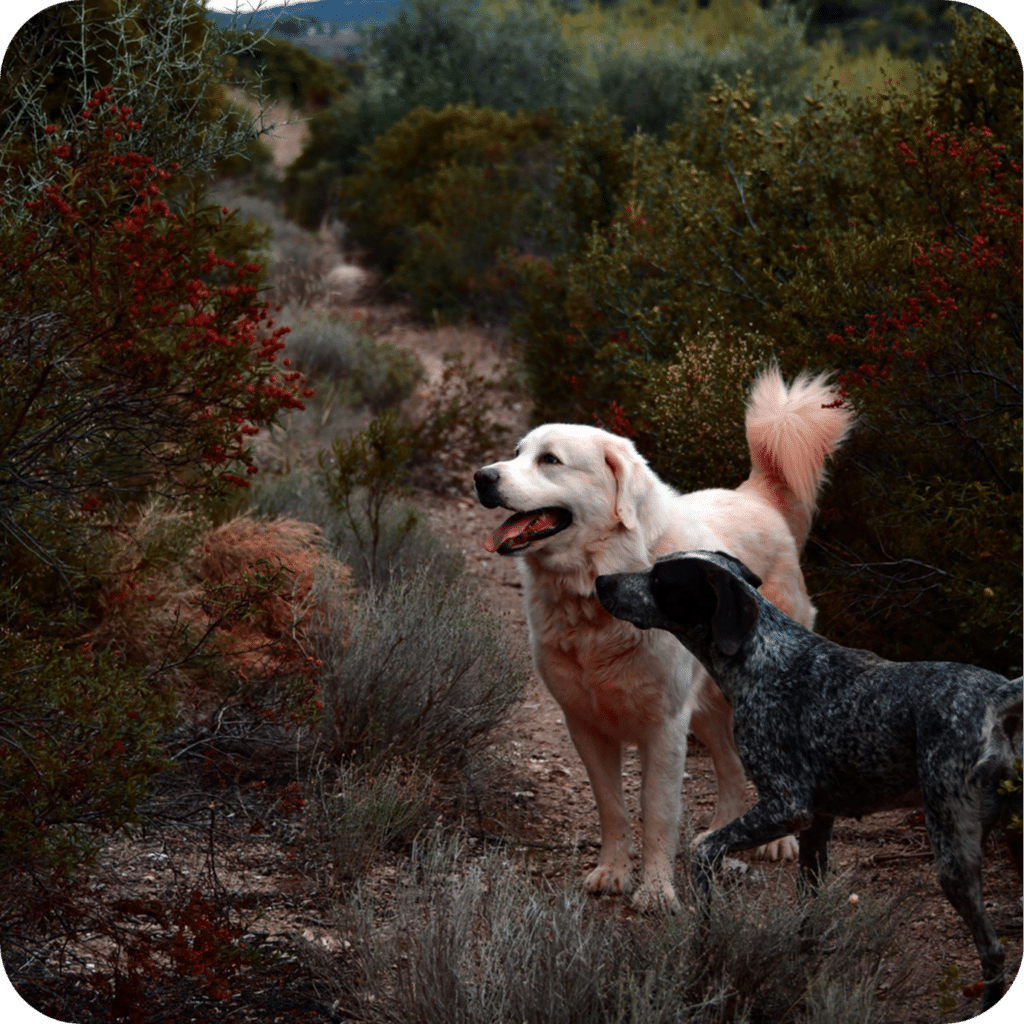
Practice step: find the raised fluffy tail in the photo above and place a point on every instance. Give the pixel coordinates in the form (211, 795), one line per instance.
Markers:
(791, 432)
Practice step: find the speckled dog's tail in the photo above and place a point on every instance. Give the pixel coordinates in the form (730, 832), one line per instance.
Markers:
(791, 432)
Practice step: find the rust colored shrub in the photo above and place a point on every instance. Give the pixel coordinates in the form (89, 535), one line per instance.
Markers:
(200, 604)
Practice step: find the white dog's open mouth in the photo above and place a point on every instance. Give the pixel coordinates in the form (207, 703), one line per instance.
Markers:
(518, 532)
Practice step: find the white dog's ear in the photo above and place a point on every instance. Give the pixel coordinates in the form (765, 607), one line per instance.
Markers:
(632, 479)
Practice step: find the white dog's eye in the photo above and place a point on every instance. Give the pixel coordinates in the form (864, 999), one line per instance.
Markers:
(551, 460)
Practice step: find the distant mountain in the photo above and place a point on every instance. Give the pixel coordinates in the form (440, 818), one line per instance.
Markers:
(336, 13)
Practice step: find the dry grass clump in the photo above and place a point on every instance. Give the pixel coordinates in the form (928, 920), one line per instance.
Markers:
(340, 353)
(301, 262)
(353, 813)
(415, 670)
(477, 942)
(193, 601)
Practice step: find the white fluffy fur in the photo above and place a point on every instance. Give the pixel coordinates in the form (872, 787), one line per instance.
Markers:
(617, 684)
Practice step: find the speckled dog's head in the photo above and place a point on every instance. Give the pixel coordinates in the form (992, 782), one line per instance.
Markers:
(706, 598)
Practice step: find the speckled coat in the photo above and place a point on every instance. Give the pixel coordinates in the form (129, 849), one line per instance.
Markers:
(824, 731)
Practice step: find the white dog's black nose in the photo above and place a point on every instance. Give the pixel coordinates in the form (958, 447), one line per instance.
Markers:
(486, 481)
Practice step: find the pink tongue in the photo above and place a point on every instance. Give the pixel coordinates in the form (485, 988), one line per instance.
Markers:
(517, 525)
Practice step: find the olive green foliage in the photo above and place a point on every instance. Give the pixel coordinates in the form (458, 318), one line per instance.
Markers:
(982, 82)
(691, 410)
(79, 746)
(906, 29)
(442, 192)
(662, 85)
(879, 236)
(288, 72)
(441, 52)
(435, 54)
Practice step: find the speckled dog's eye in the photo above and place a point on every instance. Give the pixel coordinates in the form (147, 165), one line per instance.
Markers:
(551, 460)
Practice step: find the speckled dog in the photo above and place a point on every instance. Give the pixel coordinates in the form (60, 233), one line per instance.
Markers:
(824, 731)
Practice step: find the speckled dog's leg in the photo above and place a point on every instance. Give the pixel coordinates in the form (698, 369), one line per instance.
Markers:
(814, 851)
(956, 842)
(765, 822)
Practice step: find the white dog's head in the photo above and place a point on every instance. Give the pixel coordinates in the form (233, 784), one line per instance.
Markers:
(572, 489)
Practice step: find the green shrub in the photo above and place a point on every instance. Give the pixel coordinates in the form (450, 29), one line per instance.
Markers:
(365, 477)
(691, 411)
(912, 29)
(878, 236)
(405, 541)
(418, 672)
(284, 71)
(435, 54)
(294, 494)
(664, 84)
(981, 82)
(338, 349)
(442, 192)
(80, 732)
(510, 57)
(362, 479)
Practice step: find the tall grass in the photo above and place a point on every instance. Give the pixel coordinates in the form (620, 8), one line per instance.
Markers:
(467, 940)
(353, 814)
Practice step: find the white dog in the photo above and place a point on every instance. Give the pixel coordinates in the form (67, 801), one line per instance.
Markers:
(587, 504)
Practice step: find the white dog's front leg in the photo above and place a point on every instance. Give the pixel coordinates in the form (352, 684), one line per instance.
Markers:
(602, 757)
(662, 759)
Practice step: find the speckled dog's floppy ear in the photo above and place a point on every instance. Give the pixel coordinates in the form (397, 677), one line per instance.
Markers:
(693, 591)
(751, 577)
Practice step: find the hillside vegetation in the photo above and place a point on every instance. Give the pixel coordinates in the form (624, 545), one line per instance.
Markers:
(225, 622)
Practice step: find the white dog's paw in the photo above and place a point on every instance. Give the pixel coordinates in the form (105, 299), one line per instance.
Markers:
(658, 896)
(612, 878)
(785, 848)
